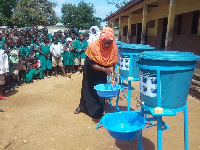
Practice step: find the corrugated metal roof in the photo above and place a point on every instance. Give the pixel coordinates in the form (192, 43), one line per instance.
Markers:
(130, 4)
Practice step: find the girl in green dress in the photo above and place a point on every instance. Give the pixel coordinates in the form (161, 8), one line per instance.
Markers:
(68, 59)
(36, 47)
(45, 59)
(34, 71)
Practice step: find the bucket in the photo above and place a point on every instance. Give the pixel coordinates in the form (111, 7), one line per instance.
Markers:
(175, 69)
(124, 125)
(107, 90)
(128, 59)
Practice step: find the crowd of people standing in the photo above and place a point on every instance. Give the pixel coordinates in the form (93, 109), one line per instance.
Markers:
(29, 55)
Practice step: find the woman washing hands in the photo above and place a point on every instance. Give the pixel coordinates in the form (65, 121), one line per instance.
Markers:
(102, 55)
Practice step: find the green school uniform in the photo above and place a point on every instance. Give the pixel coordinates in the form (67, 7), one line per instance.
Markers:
(3, 39)
(33, 74)
(45, 62)
(32, 42)
(68, 58)
(22, 51)
(27, 51)
(80, 46)
(49, 35)
(1, 45)
(37, 54)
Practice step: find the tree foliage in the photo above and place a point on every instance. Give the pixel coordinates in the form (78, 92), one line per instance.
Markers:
(34, 12)
(118, 3)
(6, 11)
(80, 16)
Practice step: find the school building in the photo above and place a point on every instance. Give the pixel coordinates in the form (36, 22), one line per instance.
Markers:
(163, 24)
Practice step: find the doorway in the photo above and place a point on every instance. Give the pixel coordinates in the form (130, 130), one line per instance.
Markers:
(139, 33)
(164, 31)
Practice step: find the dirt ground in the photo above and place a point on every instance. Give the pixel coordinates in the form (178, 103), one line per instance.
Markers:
(40, 116)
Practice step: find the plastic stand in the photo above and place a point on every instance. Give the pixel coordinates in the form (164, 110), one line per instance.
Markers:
(161, 125)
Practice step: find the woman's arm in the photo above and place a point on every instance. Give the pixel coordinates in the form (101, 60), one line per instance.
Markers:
(97, 67)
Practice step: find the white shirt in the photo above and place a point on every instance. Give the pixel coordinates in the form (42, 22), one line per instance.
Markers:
(3, 62)
(57, 50)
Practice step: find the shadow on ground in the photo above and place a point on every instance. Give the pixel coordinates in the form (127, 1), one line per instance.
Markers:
(132, 145)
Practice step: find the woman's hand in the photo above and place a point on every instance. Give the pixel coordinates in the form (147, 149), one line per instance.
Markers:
(113, 81)
(108, 71)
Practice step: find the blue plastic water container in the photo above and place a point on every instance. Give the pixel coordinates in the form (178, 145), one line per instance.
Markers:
(124, 125)
(128, 59)
(176, 70)
(107, 90)
(119, 42)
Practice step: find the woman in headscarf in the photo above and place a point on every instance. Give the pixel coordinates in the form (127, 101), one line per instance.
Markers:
(94, 34)
(102, 55)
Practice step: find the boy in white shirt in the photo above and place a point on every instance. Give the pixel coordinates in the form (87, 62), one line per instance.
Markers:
(56, 50)
(4, 69)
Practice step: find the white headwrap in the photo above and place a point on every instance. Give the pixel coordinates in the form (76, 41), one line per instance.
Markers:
(93, 36)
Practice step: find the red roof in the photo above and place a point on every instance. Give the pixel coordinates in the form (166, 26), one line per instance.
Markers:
(129, 5)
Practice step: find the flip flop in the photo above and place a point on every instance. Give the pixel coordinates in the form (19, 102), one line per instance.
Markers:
(3, 98)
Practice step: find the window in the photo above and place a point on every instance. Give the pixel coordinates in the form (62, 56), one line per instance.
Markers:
(195, 22)
(133, 30)
(125, 30)
(151, 23)
(179, 25)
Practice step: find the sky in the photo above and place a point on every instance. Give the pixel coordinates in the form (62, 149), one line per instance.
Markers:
(101, 6)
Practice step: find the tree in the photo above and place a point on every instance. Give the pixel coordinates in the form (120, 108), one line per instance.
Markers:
(6, 11)
(80, 16)
(118, 3)
(34, 12)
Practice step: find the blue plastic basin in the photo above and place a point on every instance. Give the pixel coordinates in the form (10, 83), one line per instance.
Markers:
(124, 125)
(107, 90)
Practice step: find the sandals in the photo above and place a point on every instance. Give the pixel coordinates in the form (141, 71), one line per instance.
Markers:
(3, 98)
(77, 111)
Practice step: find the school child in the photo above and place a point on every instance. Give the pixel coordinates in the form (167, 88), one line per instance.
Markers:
(60, 36)
(66, 35)
(45, 57)
(73, 37)
(4, 68)
(2, 38)
(56, 50)
(28, 50)
(8, 45)
(34, 71)
(73, 51)
(45, 33)
(36, 47)
(23, 63)
(14, 57)
(80, 46)
(16, 42)
(33, 38)
(86, 35)
(76, 31)
(1, 43)
(68, 59)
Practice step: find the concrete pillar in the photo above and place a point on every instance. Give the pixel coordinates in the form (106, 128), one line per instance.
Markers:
(144, 24)
(120, 29)
(170, 25)
(129, 28)
(113, 25)
(108, 23)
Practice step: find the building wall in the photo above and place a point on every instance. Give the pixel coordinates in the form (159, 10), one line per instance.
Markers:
(185, 41)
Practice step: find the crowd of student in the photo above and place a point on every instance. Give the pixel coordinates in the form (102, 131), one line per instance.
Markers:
(28, 55)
